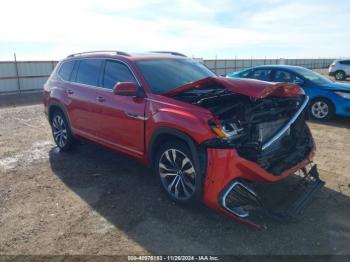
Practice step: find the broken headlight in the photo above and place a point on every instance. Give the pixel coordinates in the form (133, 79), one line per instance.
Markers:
(227, 129)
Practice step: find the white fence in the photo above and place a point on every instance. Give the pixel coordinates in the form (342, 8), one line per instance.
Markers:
(26, 76)
(226, 66)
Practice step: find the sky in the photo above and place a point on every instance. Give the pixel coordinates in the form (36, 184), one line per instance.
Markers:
(53, 29)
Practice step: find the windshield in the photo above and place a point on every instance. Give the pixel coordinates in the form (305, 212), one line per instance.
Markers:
(163, 75)
(313, 76)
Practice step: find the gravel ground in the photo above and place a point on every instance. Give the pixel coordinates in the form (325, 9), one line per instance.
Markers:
(95, 201)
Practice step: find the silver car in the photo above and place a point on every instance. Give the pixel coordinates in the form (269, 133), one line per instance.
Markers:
(340, 69)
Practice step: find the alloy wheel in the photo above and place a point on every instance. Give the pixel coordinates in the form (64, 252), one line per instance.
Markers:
(59, 131)
(339, 76)
(320, 109)
(177, 174)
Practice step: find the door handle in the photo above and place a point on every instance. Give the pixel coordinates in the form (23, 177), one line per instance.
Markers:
(70, 92)
(101, 99)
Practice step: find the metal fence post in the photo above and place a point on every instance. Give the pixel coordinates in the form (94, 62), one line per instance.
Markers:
(17, 74)
(215, 65)
(235, 63)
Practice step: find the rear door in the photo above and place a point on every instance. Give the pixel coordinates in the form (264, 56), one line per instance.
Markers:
(263, 74)
(121, 118)
(82, 92)
(346, 66)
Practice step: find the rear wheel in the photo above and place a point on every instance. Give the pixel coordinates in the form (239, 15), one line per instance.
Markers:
(175, 168)
(339, 75)
(61, 132)
(321, 109)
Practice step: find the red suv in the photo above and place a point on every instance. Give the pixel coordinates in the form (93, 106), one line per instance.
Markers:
(208, 138)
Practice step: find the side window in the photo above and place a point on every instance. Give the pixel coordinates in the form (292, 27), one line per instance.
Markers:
(245, 73)
(345, 62)
(284, 76)
(262, 74)
(89, 71)
(116, 72)
(66, 70)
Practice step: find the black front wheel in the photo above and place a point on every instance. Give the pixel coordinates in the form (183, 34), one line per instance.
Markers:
(61, 132)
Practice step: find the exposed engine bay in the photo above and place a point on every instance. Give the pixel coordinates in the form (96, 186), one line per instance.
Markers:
(251, 125)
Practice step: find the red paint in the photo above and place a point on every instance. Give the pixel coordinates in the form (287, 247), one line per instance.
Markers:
(247, 87)
(101, 116)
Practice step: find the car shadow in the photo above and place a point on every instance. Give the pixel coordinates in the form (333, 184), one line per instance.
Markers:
(337, 121)
(128, 195)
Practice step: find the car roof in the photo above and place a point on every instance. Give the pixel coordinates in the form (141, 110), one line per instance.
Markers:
(290, 67)
(127, 56)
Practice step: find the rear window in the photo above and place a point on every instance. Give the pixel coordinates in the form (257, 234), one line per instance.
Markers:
(89, 72)
(66, 70)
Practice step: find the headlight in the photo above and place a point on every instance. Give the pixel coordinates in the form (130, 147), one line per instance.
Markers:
(343, 94)
(227, 130)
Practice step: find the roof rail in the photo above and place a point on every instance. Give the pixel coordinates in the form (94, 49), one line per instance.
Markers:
(100, 51)
(169, 52)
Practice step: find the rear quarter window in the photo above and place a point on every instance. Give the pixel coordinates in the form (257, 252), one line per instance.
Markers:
(66, 70)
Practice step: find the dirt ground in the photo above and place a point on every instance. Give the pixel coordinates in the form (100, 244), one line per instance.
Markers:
(95, 201)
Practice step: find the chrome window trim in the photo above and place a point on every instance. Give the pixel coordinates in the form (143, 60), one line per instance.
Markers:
(287, 126)
(96, 58)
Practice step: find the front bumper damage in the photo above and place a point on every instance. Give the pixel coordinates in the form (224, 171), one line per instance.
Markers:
(243, 190)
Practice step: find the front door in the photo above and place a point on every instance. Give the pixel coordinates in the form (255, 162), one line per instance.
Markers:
(121, 118)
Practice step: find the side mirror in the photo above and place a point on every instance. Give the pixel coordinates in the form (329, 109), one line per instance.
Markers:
(127, 89)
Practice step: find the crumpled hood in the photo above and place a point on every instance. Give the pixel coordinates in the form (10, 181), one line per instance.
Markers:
(247, 87)
(337, 87)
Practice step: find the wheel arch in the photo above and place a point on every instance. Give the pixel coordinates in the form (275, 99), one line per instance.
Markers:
(321, 98)
(340, 70)
(53, 106)
(198, 152)
(165, 134)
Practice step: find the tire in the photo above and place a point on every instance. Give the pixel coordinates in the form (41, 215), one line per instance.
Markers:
(176, 171)
(61, 132)
(339, 75)
(321, 109)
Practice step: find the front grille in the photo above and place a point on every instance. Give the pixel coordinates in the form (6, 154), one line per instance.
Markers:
(280, 144)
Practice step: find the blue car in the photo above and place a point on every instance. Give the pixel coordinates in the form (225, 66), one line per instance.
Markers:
(327, 98)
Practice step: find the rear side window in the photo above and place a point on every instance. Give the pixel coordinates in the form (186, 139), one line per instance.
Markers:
(116, 72)
(345, 62)
(284, 76)
(245, 73)
(66, 70)
(89, 72)
(262, 74)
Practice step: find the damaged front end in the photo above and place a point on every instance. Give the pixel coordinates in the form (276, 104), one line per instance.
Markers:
(278, 202)
(261, 137)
